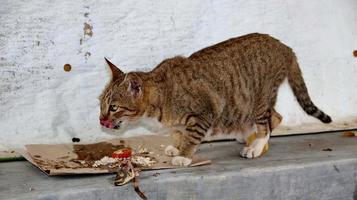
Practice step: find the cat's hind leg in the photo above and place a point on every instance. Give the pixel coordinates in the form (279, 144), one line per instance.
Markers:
(250, 129)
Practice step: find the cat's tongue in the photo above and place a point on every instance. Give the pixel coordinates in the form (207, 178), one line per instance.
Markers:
(106, 123)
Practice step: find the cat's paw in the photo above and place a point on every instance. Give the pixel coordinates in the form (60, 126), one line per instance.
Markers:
(250, 152)
(171, 151)
(258, 147)
(181, 161)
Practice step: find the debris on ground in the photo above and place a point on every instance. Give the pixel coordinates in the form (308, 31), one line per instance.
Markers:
(126, 173)
(156, 174)
(129, 167)
(349, 134)
(128, 164)
(143, 161)
(125, 157)
(104, 161)
(96, 155)
(122, 153)
(75, 139)
(137, 190)
(327, 149)
(77, 158)
(143, 151)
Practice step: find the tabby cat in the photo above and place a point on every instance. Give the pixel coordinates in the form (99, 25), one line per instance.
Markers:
(227, 88)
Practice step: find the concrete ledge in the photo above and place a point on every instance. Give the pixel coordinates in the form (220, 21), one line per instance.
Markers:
(296, 167)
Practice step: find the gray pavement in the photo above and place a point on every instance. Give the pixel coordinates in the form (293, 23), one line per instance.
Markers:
(296, 167)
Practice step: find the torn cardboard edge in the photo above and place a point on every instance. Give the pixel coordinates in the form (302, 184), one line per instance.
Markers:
(62, 159)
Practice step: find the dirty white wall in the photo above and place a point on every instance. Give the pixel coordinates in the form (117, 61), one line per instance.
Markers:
(40, 102)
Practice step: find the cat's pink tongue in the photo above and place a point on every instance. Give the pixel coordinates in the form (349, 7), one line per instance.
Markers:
(106, 123)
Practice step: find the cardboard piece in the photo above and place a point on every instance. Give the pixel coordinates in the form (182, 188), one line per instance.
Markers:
(66, 159)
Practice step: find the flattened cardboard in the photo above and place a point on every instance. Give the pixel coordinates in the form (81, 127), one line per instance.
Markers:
(60, 159)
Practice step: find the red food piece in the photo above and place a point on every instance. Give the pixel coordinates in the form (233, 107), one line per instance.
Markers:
(122, 153)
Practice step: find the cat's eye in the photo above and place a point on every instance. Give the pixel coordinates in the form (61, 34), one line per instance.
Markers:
(113, 108)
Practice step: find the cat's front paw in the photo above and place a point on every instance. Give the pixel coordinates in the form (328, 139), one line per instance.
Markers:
(257, 147)
(249, 152)
(181, 161)
(171, 151)
(254, 151)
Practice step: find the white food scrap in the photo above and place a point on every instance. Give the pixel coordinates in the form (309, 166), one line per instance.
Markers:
(143, 151)
(143, 161)
(104, 161)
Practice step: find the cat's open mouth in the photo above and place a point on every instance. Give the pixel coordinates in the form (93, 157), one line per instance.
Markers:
(110, 124)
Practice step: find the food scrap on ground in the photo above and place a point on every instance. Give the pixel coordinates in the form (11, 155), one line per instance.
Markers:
(349, 134)
(143, 151)
(76, 139)
(127, 162)
(126, 173)
(104, 161)
(122, 153)
(156, 174)
(143, 161)
(96, 155)
(125, 157)
(130, 166)
(137, 190)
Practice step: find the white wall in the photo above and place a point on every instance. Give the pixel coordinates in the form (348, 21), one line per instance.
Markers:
(40, 102)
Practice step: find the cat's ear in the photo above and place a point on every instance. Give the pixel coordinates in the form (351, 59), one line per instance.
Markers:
(135, 85)
(116, 72)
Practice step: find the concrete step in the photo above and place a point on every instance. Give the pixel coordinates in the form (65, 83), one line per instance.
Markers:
(296, 167)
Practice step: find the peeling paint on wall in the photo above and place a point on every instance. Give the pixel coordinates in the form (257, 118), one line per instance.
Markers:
(87, 29)
(87, 32)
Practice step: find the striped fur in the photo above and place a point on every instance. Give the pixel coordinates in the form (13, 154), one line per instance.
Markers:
(298, 86)
(225, 86)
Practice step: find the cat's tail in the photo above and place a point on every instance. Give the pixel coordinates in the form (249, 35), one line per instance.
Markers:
(298, 86)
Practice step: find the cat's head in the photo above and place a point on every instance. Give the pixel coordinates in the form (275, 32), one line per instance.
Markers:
(120, 100)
